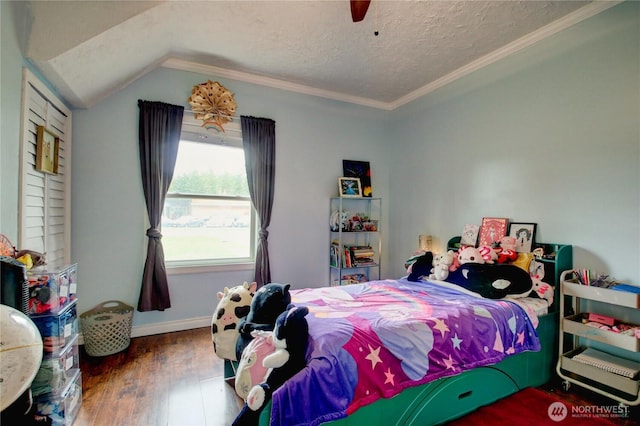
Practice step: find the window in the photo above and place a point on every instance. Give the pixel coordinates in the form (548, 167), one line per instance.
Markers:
(208, 218)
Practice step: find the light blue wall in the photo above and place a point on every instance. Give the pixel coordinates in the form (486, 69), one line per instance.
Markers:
(108, 232)
(550, 135)
(10, 100)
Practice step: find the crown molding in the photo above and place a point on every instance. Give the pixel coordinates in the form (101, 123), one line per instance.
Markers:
(542, 33)
(185, 65)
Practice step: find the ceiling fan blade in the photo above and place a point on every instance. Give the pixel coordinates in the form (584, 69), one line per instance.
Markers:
(359, 9)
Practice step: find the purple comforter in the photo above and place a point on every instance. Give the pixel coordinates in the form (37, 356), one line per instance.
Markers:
(372, 340)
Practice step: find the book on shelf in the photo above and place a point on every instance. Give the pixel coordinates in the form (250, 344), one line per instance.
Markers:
(360, 254)
(607, 362)
(364, 264)
(334, 255)
(347, 258)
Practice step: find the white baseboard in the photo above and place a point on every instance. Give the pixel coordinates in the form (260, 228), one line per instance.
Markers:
(165, 327)
(170, 326)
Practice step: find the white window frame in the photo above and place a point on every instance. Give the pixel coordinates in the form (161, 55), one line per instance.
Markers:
(192, 130)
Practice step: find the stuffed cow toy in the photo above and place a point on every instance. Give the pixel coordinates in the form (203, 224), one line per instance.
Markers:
(234, 304)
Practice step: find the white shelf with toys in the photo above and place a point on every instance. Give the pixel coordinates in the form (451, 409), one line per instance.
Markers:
(355, 242)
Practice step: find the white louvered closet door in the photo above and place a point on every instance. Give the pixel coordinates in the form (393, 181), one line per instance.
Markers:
(45, 199)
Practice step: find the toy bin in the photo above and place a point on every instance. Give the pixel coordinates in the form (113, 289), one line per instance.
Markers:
(107, 328)
(60, 408)
(51, 289)
(57, 330)
(57, 371)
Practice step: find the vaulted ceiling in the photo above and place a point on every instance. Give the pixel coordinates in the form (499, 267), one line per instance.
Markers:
(91, 49)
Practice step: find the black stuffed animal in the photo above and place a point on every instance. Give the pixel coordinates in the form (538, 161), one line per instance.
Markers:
(421, 267)
(493, 281)
(267, 304)
(290, 336)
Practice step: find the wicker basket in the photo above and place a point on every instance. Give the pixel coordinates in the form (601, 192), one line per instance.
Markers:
(106, 328)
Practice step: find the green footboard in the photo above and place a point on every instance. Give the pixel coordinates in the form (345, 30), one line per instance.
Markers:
(452, 397)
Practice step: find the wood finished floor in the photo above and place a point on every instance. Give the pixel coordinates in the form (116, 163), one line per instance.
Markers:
(175, 379)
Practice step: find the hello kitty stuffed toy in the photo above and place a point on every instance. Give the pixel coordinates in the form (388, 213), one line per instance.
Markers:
(441, 264)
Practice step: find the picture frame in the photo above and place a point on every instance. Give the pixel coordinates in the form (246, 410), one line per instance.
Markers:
(469, 236)
(525, 235)
(361, 170)
(492, 230)
(349, 187)
(47, 150)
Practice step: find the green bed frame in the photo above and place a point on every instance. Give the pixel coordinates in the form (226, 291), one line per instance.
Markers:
(451, 397)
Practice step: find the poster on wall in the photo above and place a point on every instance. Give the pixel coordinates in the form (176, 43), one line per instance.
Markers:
(361, 170)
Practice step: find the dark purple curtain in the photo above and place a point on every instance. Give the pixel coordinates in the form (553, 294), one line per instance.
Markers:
(158, 138)
(259, 143)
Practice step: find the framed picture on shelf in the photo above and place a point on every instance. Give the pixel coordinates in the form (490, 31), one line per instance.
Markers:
(492, 230)
(361, 170)
(349, 187)
(47, 146)
(525, 235)
(469, 235)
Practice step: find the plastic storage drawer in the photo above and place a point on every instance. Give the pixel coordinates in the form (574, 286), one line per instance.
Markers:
(51, 289)
(57, 330)
(56, 371)
(60, 409)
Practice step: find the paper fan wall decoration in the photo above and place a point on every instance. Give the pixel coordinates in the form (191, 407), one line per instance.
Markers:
(212, 103)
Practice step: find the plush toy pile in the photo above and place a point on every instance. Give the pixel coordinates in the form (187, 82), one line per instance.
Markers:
(483, 270)
(266, 334)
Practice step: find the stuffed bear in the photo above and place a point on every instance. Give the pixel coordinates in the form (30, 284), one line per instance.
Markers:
(508, 243)
(441, 264)
(268, 303)
(493, 281)
(290, 337)
(234, 304)
(421, 267)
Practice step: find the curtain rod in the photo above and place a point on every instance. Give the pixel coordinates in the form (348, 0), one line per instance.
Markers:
(220, 115)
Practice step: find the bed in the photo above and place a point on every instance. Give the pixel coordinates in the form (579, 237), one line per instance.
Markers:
(356, 377)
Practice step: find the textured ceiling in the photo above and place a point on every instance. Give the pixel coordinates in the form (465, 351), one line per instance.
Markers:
(91, 49)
